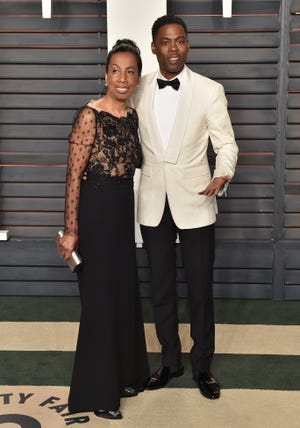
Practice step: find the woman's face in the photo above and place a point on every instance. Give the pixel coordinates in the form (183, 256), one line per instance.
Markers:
(122, 76)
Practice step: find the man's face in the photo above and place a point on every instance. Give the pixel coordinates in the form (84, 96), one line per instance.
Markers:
(170, 47)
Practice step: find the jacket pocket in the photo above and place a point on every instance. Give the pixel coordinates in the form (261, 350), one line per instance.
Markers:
(196, 171)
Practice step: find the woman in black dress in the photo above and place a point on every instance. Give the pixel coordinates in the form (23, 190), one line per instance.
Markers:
(110, 360)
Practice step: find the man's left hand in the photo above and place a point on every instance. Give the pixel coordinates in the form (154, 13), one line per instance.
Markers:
(215, 186)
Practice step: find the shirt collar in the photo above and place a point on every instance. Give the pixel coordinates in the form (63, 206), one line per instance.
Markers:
(179, 76)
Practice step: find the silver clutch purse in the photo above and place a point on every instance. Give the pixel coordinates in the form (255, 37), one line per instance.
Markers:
(75, 260)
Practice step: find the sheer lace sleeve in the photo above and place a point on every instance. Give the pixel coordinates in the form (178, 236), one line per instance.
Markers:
(81, 141)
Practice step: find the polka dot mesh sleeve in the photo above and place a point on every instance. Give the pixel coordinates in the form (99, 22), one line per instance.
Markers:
(81, 141)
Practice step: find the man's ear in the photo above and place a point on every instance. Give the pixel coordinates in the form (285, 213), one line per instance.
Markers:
(153, 48)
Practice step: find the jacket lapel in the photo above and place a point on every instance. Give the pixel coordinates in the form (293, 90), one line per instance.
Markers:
(152, 129)
(181, 119)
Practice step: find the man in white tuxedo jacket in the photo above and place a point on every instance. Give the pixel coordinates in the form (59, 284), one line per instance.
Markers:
(179, 111)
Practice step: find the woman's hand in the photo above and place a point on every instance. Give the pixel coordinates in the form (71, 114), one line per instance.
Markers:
(67, 244)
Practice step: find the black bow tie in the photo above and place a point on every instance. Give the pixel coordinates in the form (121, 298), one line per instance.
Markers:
(163, 83)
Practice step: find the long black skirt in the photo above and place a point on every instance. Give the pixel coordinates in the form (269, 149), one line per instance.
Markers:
(111, 351)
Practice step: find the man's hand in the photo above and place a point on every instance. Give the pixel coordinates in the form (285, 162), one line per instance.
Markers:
(215, 186)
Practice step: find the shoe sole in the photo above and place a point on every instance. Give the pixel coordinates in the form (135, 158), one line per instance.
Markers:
(209, 397)
(127, 395)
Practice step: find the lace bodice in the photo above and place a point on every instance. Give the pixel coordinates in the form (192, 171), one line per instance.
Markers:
(100, 144)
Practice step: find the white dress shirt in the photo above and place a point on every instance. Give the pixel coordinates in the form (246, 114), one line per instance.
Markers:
(165, 107)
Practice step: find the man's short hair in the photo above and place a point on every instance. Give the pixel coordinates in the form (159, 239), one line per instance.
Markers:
(167, 19)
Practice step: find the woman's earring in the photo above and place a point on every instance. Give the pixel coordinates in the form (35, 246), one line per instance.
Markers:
(105, 84)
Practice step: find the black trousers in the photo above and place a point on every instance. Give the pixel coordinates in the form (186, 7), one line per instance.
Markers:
(198, 251)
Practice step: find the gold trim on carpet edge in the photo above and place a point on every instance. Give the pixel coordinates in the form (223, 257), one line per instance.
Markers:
(230, 338)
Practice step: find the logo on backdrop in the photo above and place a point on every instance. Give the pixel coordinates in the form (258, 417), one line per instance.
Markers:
(36, 410)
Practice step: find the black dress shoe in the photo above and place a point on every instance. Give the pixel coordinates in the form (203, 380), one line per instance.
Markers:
(161, 377)
(208, 385)
(109, 414)
(130, 391)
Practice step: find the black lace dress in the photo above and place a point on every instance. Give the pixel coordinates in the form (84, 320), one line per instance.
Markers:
(111, 352)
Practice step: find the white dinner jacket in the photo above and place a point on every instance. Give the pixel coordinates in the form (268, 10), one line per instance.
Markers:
(182, 170)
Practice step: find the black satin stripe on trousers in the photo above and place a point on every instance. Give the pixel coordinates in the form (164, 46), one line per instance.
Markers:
(198, 251)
